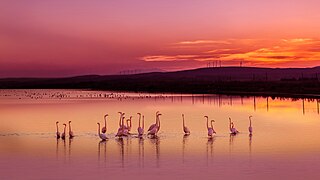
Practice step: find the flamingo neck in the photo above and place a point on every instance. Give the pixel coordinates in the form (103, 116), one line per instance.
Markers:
(105, 121)
(98, 129)
(183, 121)
(120, 121)
(139, 123)
(143, 122)
(139, 120)
(208, 123)
(64, 129)
(69, 127)
(57, 128)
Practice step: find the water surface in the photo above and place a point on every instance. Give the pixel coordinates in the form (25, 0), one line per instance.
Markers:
(285, 142)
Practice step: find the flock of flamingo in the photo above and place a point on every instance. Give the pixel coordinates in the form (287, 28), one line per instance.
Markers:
(124, 130)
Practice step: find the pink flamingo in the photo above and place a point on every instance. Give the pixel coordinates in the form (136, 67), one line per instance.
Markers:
(230, 125)
(185, 129)
(102, 136)
(63, 135)
(141, 129)
(129, 125)
(156, 128)
(58, 133)
(122, 131)
(70, 131)
(153, 125)
(250, 127)
(104, 129)
(233, 130)
(210, 129)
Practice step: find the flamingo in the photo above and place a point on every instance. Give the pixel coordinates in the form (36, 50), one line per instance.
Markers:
(129, 126)
(104, 129)
(122, 131)
(58, 133)
(140, 129)
(102, 136)
(250, 127)
(233, 130)
(156, 128)
(230, 125)
(153, 125)
(185, 129)
(70, 131)
(63, 135)
(210, 129)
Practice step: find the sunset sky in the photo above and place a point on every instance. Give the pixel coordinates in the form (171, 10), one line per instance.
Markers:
(45, 38)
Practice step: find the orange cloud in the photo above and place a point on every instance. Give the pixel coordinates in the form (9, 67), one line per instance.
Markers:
(251, 51)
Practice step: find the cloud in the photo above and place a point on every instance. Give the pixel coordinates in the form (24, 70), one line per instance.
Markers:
(196, 42)
(262, 52)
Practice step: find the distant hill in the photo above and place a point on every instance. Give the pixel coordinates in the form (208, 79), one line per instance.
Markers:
(229, 80)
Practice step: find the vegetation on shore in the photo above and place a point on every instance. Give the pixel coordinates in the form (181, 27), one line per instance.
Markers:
(298, 82)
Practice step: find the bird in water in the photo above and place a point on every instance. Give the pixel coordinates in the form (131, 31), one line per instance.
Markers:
(185, 129)
(250, 127)
(141, 128)
(57, 133)
(63, 135)
(210, 129)
(70, 131)
(233, 130)
(153, 125)
(156, 128)
(104, 129)
(102, 136)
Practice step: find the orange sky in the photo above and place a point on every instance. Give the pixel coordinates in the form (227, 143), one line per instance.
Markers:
(64, 38)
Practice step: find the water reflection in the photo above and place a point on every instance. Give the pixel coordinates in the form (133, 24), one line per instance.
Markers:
(155, 140)
(141, 151)
(250, 147)
(210, 150)
(102, 145)
(121, 150)
(184, 141)
(274, 117)
(232, 138)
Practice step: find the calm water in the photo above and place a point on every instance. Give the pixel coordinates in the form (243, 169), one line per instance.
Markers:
(285, 142)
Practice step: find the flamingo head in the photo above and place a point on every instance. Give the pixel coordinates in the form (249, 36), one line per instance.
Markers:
(120, 112)
(64, 124)
(57, 122)
(159, 114)
(182, 115)
(213, 121)
(206, 117)
(130, 118)
(106, 115)
(250, 117)
(98, 124)
(229, 119)
(69, 122)
(139, 114)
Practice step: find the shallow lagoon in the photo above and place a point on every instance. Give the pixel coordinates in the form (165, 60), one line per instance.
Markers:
(285, 142)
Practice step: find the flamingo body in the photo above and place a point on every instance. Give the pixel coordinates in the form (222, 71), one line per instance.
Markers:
(102, 136)
(185, 129)
(57, 133)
